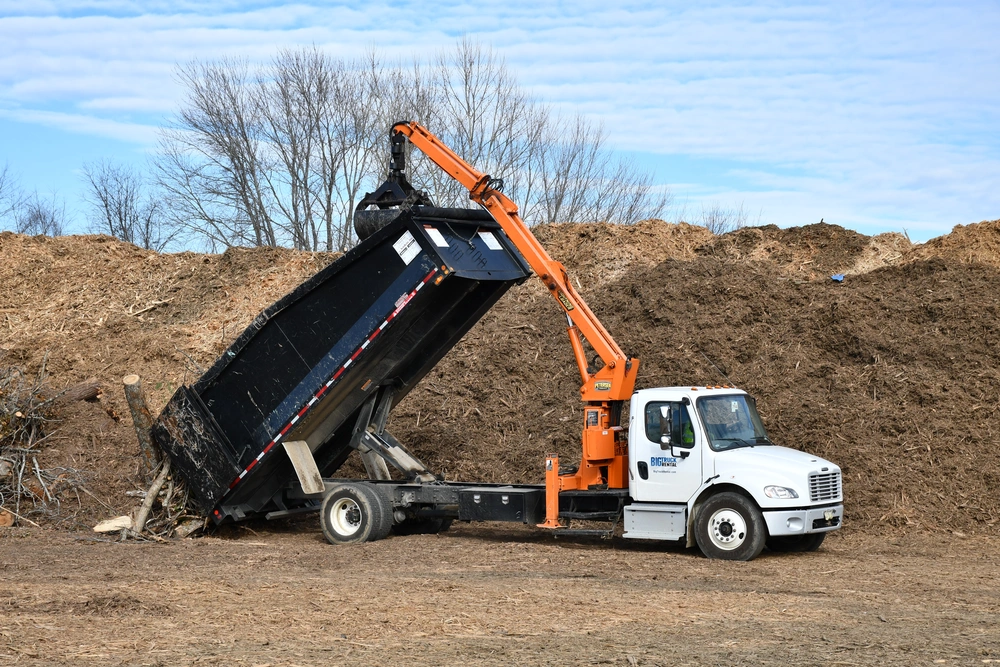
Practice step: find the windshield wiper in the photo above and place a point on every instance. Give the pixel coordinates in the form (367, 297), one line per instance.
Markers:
(740, 441)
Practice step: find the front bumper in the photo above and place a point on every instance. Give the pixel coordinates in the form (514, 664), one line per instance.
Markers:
(802, 521)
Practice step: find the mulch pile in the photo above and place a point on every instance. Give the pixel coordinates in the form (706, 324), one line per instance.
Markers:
(892, 373)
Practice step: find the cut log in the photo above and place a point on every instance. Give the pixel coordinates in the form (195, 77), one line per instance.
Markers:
(189, 527)
(149, 453)
(87, 390)
(114, 525)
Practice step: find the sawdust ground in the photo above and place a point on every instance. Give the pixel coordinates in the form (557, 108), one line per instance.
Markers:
(277, 594)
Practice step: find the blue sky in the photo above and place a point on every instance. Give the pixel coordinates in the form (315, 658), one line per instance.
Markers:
(875, 116)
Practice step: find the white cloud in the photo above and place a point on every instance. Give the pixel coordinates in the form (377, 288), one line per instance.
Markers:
(882, 112)
(83, 124)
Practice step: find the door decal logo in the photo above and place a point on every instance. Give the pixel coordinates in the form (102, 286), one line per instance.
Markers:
(662, 462)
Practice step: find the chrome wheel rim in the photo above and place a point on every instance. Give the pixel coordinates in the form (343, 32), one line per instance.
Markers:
(727, 529)
(345, 516)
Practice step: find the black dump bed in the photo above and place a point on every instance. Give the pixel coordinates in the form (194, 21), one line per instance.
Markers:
(379, 317)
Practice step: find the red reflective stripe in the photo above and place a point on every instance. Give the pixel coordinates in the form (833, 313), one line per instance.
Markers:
(252, 464)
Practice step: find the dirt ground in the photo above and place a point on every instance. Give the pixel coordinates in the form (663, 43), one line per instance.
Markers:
(277, 594)
(893, 373)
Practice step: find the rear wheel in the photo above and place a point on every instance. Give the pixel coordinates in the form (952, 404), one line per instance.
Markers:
(730, 527)
(354, 513)
(796, 543)
(382, 500)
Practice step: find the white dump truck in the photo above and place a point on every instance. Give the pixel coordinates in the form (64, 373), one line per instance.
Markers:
(314, 378)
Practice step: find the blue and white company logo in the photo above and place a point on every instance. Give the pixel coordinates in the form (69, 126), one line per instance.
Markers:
(662, 462)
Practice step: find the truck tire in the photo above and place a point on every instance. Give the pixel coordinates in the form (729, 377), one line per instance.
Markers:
(352, 513)
(730, 527)
(382, 500)
(796, 543)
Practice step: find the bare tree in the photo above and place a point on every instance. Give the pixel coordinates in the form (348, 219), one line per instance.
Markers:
(11, 197)
(281, 154)
(213, 163)
(372, 96)
(479, 110)
(38, 216)
(121, 206)
(583, 182)
(720, 219)
(290, 97)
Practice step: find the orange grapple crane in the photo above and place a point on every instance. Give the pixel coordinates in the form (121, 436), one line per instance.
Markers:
(604, 462)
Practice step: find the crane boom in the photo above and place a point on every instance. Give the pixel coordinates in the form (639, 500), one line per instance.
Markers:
(551, 272)
(605, 451)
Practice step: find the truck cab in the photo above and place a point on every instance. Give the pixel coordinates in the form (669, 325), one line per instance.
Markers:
(702, 468)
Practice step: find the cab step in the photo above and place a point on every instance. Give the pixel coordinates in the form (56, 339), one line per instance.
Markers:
(591, 516)
(581, 532)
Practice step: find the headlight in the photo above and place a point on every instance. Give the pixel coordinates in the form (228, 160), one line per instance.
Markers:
(780, 492)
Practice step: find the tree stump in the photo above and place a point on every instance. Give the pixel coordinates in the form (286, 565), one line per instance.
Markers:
(143, 421)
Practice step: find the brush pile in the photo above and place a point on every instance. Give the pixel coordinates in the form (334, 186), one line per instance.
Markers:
(28, 492)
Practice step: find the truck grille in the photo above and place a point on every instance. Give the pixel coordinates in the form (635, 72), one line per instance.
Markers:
(824, 486)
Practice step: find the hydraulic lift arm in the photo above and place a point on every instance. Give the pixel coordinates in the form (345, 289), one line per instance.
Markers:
(604, 463)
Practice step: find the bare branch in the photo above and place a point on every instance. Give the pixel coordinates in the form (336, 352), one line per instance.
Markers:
(38, 216)
(121, 207)
(720, 219)
(11, 196)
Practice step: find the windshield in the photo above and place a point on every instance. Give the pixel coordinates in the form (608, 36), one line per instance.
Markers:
(732, 421)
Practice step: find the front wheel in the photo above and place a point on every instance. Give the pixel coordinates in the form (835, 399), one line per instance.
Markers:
(730, 527)
(796, 543)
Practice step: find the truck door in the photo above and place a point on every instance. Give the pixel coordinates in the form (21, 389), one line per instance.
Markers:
(666, 466)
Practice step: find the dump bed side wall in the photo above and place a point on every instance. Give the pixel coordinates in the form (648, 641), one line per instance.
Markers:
(293, 349)
(382, 315)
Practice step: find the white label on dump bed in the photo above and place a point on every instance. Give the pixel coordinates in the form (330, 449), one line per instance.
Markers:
(407, 247)
(490, 240)
(436, 236)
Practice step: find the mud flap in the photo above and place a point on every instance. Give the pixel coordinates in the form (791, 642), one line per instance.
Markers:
(305, 467)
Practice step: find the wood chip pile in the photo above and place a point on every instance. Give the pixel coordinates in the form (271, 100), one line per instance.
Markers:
(893, 373)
